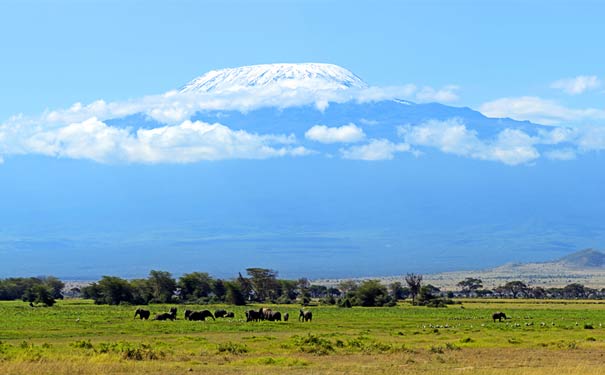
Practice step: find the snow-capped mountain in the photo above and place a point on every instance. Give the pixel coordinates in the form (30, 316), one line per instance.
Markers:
(286, 76)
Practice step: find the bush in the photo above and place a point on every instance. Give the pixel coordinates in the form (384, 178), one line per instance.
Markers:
(313, 344)
(233, 348)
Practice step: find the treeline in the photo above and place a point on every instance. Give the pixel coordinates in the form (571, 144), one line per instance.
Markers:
(263, 285)
(35, 290)
(260, 285)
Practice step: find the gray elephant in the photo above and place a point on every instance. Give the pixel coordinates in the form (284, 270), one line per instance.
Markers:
(305, 316)
(167, 316)
(200, 315)
(499, 315)
(143, 314)
(253, 316)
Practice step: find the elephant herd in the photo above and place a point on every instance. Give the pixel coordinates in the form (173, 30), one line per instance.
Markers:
(201, 315)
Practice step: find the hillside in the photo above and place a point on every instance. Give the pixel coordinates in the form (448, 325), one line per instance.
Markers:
(586, 267)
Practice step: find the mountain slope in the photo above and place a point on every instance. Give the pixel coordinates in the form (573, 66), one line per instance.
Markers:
(588, 258)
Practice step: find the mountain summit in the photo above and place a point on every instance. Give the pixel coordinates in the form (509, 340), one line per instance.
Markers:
(281, 76)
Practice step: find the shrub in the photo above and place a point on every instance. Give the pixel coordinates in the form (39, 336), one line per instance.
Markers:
(233, 348)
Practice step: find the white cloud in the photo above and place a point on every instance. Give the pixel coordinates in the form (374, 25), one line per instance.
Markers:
(183, 143)
(175, 107)
(376, 149)
(511, 146)
(538, 110)
(445, 94)
(349, 133)
(562, 154)
(577, 85)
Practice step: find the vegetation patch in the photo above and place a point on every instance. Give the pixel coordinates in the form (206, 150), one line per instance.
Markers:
(313, 344)
(232, 348)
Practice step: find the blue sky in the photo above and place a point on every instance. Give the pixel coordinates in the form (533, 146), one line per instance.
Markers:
(55, 53)
(107, 168)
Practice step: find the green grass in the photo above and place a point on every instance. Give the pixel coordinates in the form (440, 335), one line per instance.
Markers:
(78, 336)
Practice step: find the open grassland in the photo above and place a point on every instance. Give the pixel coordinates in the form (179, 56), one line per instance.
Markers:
(78, 337)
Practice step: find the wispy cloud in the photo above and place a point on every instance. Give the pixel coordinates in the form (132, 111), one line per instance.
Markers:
(445, 94)
(376, 149)
(538, 110)
(349, 133)
(577, 85)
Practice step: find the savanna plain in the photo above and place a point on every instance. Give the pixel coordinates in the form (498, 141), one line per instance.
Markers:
(78, 337)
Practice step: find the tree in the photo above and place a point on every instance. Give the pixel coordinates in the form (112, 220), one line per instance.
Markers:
(141, 291)
(195, 285)
(110, 290)
(264, 282)
(56, 286)
(398, 292)
(372, 293)
(515, 288)
(348, 286)
(234, 295)
(219, 289)
(162, 286)
(414, 282)
(39, 294)
(245, 286)
(470, 285)
(574, 290)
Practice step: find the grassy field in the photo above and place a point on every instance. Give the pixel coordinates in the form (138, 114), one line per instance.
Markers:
(78, 337)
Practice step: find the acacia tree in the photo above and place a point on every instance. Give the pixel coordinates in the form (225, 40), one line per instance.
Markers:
(414, 282)
(264, 282)
(470, 285)
(515, 288)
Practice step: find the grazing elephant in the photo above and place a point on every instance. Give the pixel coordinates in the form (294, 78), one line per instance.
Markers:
(264, 313)
(305, 316)
(286, 317)
(267, 314)
(499, 315)
(230, 314)
(253, 316)
(200, 315)
(275, 317)
(167, 316)
(143, 314)
(220, 313)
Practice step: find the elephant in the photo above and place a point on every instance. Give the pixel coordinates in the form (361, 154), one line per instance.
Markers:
(266, 314)
(253, 315)
(200, 315)
(230, 314)
(275, 316)
(286, 317)
(220, 313)
(167, 316)
(143, 314)
(499, 315)
(305, 316)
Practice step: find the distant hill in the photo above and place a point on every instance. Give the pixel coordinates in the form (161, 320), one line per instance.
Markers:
(588, 258)
(586, 267)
